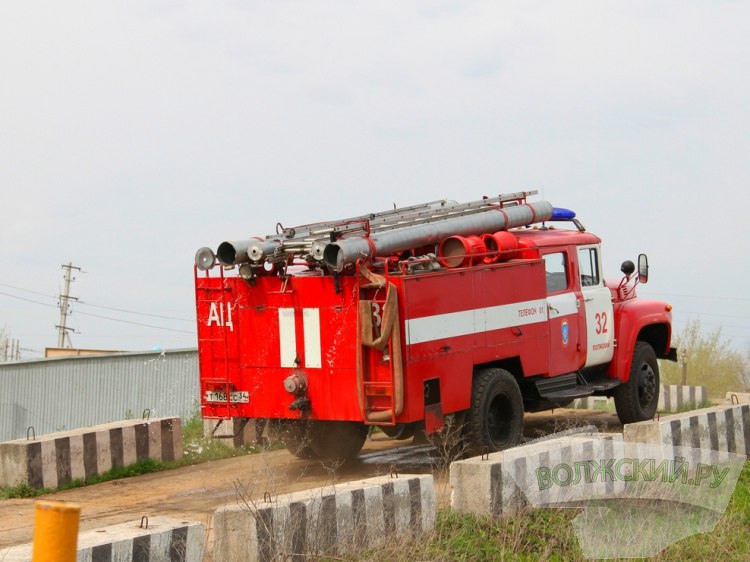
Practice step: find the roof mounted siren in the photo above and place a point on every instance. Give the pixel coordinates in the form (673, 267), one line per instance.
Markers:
(566, 215)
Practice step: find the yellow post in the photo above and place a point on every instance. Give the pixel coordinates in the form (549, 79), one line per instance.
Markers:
(55, 532)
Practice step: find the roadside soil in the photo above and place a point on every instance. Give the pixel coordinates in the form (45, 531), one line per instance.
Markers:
(193, 493)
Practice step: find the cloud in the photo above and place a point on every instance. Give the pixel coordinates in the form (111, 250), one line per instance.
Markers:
(133, 134)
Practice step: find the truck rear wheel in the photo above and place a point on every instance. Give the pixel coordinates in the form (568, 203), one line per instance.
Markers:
(337, 440)
(637, 399)
(295, 434)
(496, 415)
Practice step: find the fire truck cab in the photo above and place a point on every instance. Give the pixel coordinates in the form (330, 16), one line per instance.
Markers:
(441, 315)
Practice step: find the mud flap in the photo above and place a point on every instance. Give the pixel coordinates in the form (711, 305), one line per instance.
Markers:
(433, 407)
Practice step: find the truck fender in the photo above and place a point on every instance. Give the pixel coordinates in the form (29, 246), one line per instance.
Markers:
(649, 321)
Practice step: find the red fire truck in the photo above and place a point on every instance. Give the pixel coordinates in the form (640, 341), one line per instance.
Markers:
(468, 313)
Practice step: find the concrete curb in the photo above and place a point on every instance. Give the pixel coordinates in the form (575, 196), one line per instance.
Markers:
(490, 485)
(722, 428)
(164, 539)
(593, 403)
(674, 397)
(738, 397)
(333, 520)
(54, 459)
(232, 433)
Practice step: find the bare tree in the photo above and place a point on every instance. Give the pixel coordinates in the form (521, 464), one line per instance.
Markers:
(711, 361)
(746, 369)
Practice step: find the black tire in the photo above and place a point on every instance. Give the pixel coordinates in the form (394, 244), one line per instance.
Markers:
(295, 434)
(495, 419)
(637, 399)
(337, 440)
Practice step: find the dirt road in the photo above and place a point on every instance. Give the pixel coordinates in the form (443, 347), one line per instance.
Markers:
(193, 493)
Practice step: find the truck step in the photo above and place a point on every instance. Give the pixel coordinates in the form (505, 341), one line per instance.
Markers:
(561, 383)
(604, 384)
(573, 385)
(569, 393)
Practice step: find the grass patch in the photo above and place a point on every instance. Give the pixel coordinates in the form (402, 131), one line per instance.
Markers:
(144, 466)
(22, 490)
(197, 448)
(548, 535)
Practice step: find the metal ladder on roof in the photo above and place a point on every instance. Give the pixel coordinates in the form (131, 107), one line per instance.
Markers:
(303, 239)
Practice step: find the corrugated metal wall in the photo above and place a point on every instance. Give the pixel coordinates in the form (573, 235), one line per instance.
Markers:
(66, 393)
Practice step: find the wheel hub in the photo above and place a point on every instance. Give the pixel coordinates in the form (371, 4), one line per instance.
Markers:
(646, 385)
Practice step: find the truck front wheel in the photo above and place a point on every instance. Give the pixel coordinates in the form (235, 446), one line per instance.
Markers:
(636, 400)
(496, 415)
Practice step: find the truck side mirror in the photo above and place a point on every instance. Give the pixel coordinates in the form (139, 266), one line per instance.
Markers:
(643, 268)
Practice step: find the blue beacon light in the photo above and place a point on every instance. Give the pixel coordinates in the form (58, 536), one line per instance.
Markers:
(560, 214)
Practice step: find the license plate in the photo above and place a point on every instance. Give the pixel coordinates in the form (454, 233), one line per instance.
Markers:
(237, 396)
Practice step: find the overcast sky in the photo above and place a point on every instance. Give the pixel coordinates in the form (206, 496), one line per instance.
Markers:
(132, 133)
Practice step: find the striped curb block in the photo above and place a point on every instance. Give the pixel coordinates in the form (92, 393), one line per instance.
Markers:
(492, 485)
(738, 397)
(55, 459)
(721, 428)
(332, 521)
(571, 471)
(231, 432)
(164, 540)
(674, 397)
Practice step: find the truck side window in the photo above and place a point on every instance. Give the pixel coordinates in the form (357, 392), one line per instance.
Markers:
(588, 263)
(556, 266)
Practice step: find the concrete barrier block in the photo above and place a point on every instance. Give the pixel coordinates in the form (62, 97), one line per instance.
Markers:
(54, 459)
(674, 397)
(163, 539)
(574, 470)
(233, 433)
(721, 428)
(738, 397)
(593, 403)
(332, 521)
(493, 485)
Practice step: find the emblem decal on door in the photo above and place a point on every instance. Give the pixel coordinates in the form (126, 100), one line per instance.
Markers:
(565, 332)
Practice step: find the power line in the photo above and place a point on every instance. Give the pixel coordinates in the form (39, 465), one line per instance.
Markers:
(712, 314)
(98, 316)
(138, 313)
(27, 300)
(85, 303)
(134, 323)
(724, 298)
(27, 290)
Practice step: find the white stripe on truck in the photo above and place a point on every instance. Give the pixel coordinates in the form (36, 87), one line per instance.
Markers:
(287, 337)
(311, 326)
(467, 322)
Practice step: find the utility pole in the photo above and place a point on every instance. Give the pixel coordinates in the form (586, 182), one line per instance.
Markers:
(62, 329)
(684, 366)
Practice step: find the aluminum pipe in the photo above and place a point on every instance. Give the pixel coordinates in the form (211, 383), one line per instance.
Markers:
(231, 253)
(348, 250)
